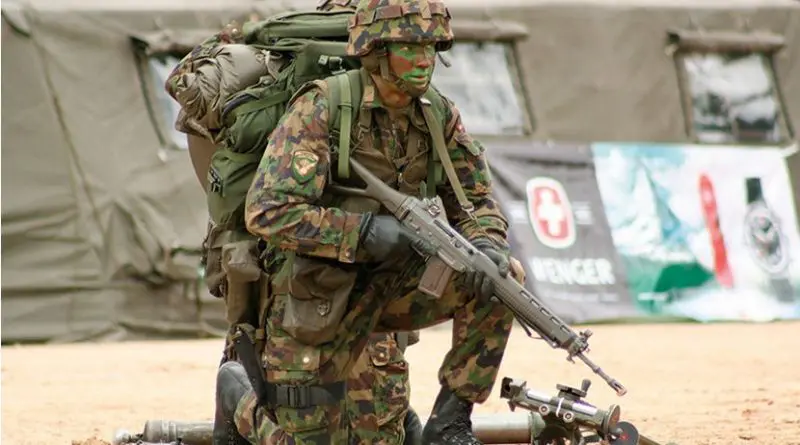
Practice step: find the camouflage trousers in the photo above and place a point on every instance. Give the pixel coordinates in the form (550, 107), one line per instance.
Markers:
(376, 404)
(385, 299)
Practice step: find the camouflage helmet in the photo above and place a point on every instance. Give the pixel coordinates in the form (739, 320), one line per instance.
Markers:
(336, 5)
(411, 21)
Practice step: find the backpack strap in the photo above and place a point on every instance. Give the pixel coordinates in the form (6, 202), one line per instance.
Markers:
(344, 101)
(256, 105)
(435, 170)
(433, 111)
(345, 97)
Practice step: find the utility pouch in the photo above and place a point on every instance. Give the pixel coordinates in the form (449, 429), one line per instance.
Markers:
(318, 294)
(214, 274)
(242, 274)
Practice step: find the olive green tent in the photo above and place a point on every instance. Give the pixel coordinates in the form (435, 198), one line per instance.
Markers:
(98, 195)
(99, 200)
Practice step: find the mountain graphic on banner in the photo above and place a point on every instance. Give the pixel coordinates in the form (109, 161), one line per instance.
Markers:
(652, 239)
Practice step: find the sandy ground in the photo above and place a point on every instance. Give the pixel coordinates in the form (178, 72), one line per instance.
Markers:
(692, 384)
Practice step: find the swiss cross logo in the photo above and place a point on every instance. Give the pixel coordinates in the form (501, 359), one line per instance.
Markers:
(550, 213)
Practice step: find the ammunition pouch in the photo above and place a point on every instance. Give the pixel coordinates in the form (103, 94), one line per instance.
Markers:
(242, 278)
(214, 274)
(234, 273)
(318, 293)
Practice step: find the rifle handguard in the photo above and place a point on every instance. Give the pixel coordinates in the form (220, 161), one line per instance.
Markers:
(426, 218)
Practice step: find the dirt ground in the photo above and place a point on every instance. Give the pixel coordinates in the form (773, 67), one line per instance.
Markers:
(691, 384)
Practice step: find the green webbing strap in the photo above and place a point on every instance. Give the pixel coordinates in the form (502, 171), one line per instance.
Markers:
(243, 158)
(428, 188)
(345, 95)
(435, 171)
(434, 174)
(215, 182)
(260, 104)
(440, 146)
(346, 104)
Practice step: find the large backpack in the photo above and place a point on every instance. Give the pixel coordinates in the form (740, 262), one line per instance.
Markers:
(315, 44)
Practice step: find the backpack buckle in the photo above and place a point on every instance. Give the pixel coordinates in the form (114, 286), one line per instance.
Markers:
(333, 63)
(214, 181)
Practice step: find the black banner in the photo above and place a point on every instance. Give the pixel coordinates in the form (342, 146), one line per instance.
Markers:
(559, 230)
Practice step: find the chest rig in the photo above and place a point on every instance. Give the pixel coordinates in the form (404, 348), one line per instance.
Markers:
(426, 160)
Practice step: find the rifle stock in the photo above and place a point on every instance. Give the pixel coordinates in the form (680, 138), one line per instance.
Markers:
(425, 218)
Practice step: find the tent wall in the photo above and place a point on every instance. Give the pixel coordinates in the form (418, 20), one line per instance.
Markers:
(93, 197)
(50, 270)
(597, 71)
(93, 200)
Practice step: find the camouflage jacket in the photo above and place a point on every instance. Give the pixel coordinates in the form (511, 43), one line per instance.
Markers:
(284, 202)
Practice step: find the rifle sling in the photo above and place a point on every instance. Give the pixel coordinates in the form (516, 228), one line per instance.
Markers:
(437, 136)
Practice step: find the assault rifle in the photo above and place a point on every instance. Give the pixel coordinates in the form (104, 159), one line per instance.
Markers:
(453, 253)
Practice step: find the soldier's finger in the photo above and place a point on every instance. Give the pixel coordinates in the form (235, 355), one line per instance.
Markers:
(487, 289)
(503, 267)
(467, 279)
(423, 247)
(477, 281)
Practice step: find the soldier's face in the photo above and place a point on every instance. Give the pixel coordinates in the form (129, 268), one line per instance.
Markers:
(412, 63)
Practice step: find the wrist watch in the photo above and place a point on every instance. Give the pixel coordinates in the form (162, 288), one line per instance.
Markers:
(765, 241)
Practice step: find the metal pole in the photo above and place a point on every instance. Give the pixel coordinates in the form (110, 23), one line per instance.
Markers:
(501, 428)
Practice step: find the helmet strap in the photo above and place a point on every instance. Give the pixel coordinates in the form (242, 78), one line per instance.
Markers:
(382, 54)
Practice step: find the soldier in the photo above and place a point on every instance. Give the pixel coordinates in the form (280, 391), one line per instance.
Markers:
(340, 269)
(200, 85)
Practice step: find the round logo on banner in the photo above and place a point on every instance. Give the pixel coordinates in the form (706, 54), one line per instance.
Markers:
(764, 238)
(550, 213)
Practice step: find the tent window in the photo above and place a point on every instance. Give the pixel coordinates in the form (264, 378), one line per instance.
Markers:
(732, 98)
(484, 85)
(164, 107)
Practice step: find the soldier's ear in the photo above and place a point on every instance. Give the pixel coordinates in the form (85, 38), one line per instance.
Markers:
(370, 62)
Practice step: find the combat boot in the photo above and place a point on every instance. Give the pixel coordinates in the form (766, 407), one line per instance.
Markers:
(413, 428)
(450, 422)
(232, 385)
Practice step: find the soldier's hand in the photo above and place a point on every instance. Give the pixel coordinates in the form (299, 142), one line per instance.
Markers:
(383, 237)
(477, 281)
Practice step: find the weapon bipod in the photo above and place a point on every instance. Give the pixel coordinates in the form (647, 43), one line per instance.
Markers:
(567, 419)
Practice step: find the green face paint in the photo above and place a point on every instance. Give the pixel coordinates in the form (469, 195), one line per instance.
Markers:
(412, 63)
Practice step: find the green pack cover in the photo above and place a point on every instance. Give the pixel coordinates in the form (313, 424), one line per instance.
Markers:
(315, 43)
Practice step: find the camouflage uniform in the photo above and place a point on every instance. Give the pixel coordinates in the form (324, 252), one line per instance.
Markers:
(196, 83)
(290, 207)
